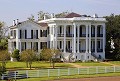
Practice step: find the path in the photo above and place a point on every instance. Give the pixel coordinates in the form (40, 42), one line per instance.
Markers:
(117, 78)
(109, 63)
(76, 65)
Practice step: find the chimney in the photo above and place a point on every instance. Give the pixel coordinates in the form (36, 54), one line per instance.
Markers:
(14, 23)
(52, 15)
(17, 21)
(44, 16)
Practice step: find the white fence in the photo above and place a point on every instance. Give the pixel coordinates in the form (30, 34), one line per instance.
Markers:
(65, 71)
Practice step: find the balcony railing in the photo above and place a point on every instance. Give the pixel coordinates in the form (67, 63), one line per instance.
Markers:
(60, 35)
(83, 35)
(99, 50)
(69, 35)
(99, 35)
(92, 35)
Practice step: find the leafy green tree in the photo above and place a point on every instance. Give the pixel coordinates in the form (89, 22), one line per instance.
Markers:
(28, 56)
(4, 57)
(113, 34)
(16, 54)
(50, 55)
(32, 18)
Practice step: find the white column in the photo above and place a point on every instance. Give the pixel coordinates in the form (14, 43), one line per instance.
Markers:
(86, 38)
(38, 33)
(20, 46)
(95, 39)
(38, 46)
(104, 38)
(78, 38)
(64, 38)
(74, 38)
(55, 37)
(90, 38)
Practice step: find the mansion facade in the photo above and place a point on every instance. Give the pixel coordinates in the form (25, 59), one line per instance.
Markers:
(78, 37)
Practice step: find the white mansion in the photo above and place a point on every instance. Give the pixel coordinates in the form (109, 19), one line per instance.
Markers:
(79, 37)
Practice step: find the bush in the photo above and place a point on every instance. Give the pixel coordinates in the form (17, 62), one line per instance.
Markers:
(16, 54)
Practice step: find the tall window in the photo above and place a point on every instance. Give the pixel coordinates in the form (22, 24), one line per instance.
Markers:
(25, 34)
(20, 34)
(31, 34)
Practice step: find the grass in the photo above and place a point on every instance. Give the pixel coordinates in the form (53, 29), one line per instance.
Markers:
(36, 65)
(70, 77)
(92, 64)
(114, 62)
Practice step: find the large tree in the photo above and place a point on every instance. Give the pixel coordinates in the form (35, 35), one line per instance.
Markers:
(28, 56)
(113, 36)
(50, 55)
(4, 57)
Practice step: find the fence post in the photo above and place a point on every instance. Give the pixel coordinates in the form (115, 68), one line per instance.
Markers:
(88, 70)
(15, 75)
(48, 72)
(96, 69)
(38, 73)
(78, 71)
(105, 69)
(114, 68)
(58, 72)
(68, 72)
(27, 73)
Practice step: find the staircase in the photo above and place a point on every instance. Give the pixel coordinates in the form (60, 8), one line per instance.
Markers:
(99, 58)
(71, 59)
(64, 59)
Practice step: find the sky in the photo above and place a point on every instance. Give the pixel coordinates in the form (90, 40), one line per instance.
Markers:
(22, 9)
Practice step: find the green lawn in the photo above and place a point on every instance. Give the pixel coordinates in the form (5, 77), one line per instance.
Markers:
(92, 64)
(114, 62)
(69, 77)
(37, 65)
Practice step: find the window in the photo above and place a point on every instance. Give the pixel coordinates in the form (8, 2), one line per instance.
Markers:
(20, 34)
(25, 34)
(31, 34)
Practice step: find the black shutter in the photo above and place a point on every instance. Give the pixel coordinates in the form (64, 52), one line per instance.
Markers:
(36, 34)
(31, 45)
(31, 34)
(20, 33)
(40, 33)
(48, 31)
(60, 29)
(25, 34)
(25, 45)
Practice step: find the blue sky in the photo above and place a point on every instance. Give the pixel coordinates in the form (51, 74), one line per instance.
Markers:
(22, 9)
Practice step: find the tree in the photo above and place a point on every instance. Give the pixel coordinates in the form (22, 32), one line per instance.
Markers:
(16, 54)
(50, 55)
(28, 56)
(113, 35)
(4, 57)
(32, 18)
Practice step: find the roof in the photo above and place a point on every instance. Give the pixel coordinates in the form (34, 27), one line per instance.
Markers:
(71, 15)
(43, 24)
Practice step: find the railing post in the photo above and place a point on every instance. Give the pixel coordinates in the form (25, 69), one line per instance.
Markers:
(105, 69)
(68, 72)
(96, 69)
(15, 75)
(78, 71)
(48, 72)
(58, 72)
(38, 73)
(27, 73)
(114, 68)
(88, 70)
